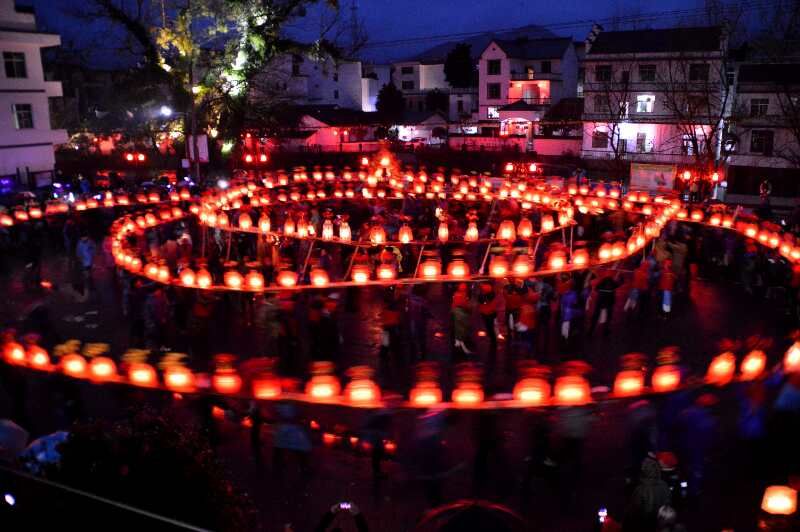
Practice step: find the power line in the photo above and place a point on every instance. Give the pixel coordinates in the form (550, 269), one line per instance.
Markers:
(647, 17)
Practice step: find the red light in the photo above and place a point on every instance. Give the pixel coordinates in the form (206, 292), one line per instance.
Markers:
(129, 157)
(248, 158)
(263, 157)
(140, 157)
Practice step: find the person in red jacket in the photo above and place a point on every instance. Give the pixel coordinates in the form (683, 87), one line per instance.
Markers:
(666, 284)
(640, 285)
(487, 306)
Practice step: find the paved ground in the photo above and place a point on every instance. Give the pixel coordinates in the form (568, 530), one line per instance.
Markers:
(715, 311)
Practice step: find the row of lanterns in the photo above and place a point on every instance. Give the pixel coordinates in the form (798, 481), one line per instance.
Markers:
(532, 389)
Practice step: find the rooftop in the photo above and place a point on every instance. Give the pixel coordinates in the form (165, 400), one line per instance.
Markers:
(337, 116)
(523, 48)
(700, 39)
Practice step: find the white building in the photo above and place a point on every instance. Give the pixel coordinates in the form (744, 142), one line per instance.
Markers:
(644, 88)
(520, 79)
(306, 81)
(766, 131)
(26, 138)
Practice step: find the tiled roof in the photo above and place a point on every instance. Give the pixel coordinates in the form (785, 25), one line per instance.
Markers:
(704, 39)
(534, 48)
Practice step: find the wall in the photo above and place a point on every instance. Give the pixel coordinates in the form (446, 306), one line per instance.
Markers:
(10, 18)
(557, 146)
(477, 143)
(432, 77)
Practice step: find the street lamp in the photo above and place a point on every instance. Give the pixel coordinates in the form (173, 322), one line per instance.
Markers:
(166, 111)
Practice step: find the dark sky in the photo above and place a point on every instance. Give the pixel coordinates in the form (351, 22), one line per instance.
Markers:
(398, 20)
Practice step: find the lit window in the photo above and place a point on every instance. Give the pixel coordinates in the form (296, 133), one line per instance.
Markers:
(492, 112)
(23, 116)
(645, 103)
(15, 64)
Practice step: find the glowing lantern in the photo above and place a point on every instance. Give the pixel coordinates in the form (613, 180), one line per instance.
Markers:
(697, 215)
(266, 387)
(572, 390)
(727, 221)
(779, 500)
(203, 278)
(264, 224)
(327, 230)
(233, 279)
(226, 381)
(151, 270)
(385, 272)
(721, 369)
(73, 365)
(532, 391)
(323, 387)
(498, 267)
(319, 277)
(468, 394)
(102, 368)
(245, 222)
(557, 260)
(142, 374)
(362, 389)
(604, 253)
(687, 175)
(6, 220)
(506, 231)
(179, 378)
(187, 277)
(509, 167)
(288, 227)
(287, 278)
(425, 394)
(532, 167)
(629, 382)
(360, 273)
(547, 223)
(471, 235)
(522, 266)
(222, 220)
(458, 269)
(580, 257)
(443, 233)
(38, 358)
(431, 269)
(405, 235)
(751, 231)
(791, 361)
(753, 365)
(665, 378)
(163, 274)
(14, 353)
(525, 228)
(344, 232)
(302, 230)
(715, 219)
(254, 281)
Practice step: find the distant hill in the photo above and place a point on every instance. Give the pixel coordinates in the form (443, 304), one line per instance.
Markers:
(439, 52)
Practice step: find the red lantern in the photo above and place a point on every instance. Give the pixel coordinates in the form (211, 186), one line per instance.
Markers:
(319, 277)
(557, 260)
(377, 235)
(572, 390)
(360, 273)
(458, 269)
(245, 222)
(779, 500)
(73, 365)
(362, 391)
(425, 394)
(532, 391)
(405, 235)
(791, 361)
(547, 223)
(142, 374)
(203, 278)
(721, 369)
(525, 228)
(266, 387)
(14, 353)
(287, 278)
(753, 365)
(629, 382)
(666, 378)
(38, 358)
(498, 267)
(323, 387)
(580, 258)
(179, 378)
(254, 281)
(430, 269)
(471, 235)
(522, 266)
(187, 277)
(102, 368)
(226, 381)
(506, 231)
(385, 272)
(468, 394)
(233, 279)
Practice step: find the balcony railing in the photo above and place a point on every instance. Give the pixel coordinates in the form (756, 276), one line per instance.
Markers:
(531, 101)
(530, 76)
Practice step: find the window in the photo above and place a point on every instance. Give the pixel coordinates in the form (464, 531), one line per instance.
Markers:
(493, 67)
(641, 142)
(336, 94)
(696, 104)
(601, 103)
(530, 72)
(408, 85)
(546, 67)
(625, 76)
(15, 64)
(335, 76)
(406, 70)
(602, 73)
(645, 103)
(492, 112)
(493, 91)
(420, 105)
(23, 116)
(759, 106)
(460, 105)
(698, 72)
(622, 146)
(688, 145)
(761, 141)
(647, 72)
(623, 110)
(600, 139)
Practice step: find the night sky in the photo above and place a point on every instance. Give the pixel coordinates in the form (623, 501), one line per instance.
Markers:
(397, 20)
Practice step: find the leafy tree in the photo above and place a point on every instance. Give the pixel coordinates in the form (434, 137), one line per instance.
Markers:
(459, 67)
(151, 462)
(390, 103)
(436, 100)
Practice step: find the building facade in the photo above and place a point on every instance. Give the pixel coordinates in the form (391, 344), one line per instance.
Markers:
(655, 96)
(27, 140)
(765, 133)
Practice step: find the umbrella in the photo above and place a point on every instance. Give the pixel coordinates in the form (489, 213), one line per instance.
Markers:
(12, 439)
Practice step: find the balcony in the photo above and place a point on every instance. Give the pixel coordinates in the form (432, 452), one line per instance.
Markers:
(528, 101)
(533, 76)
